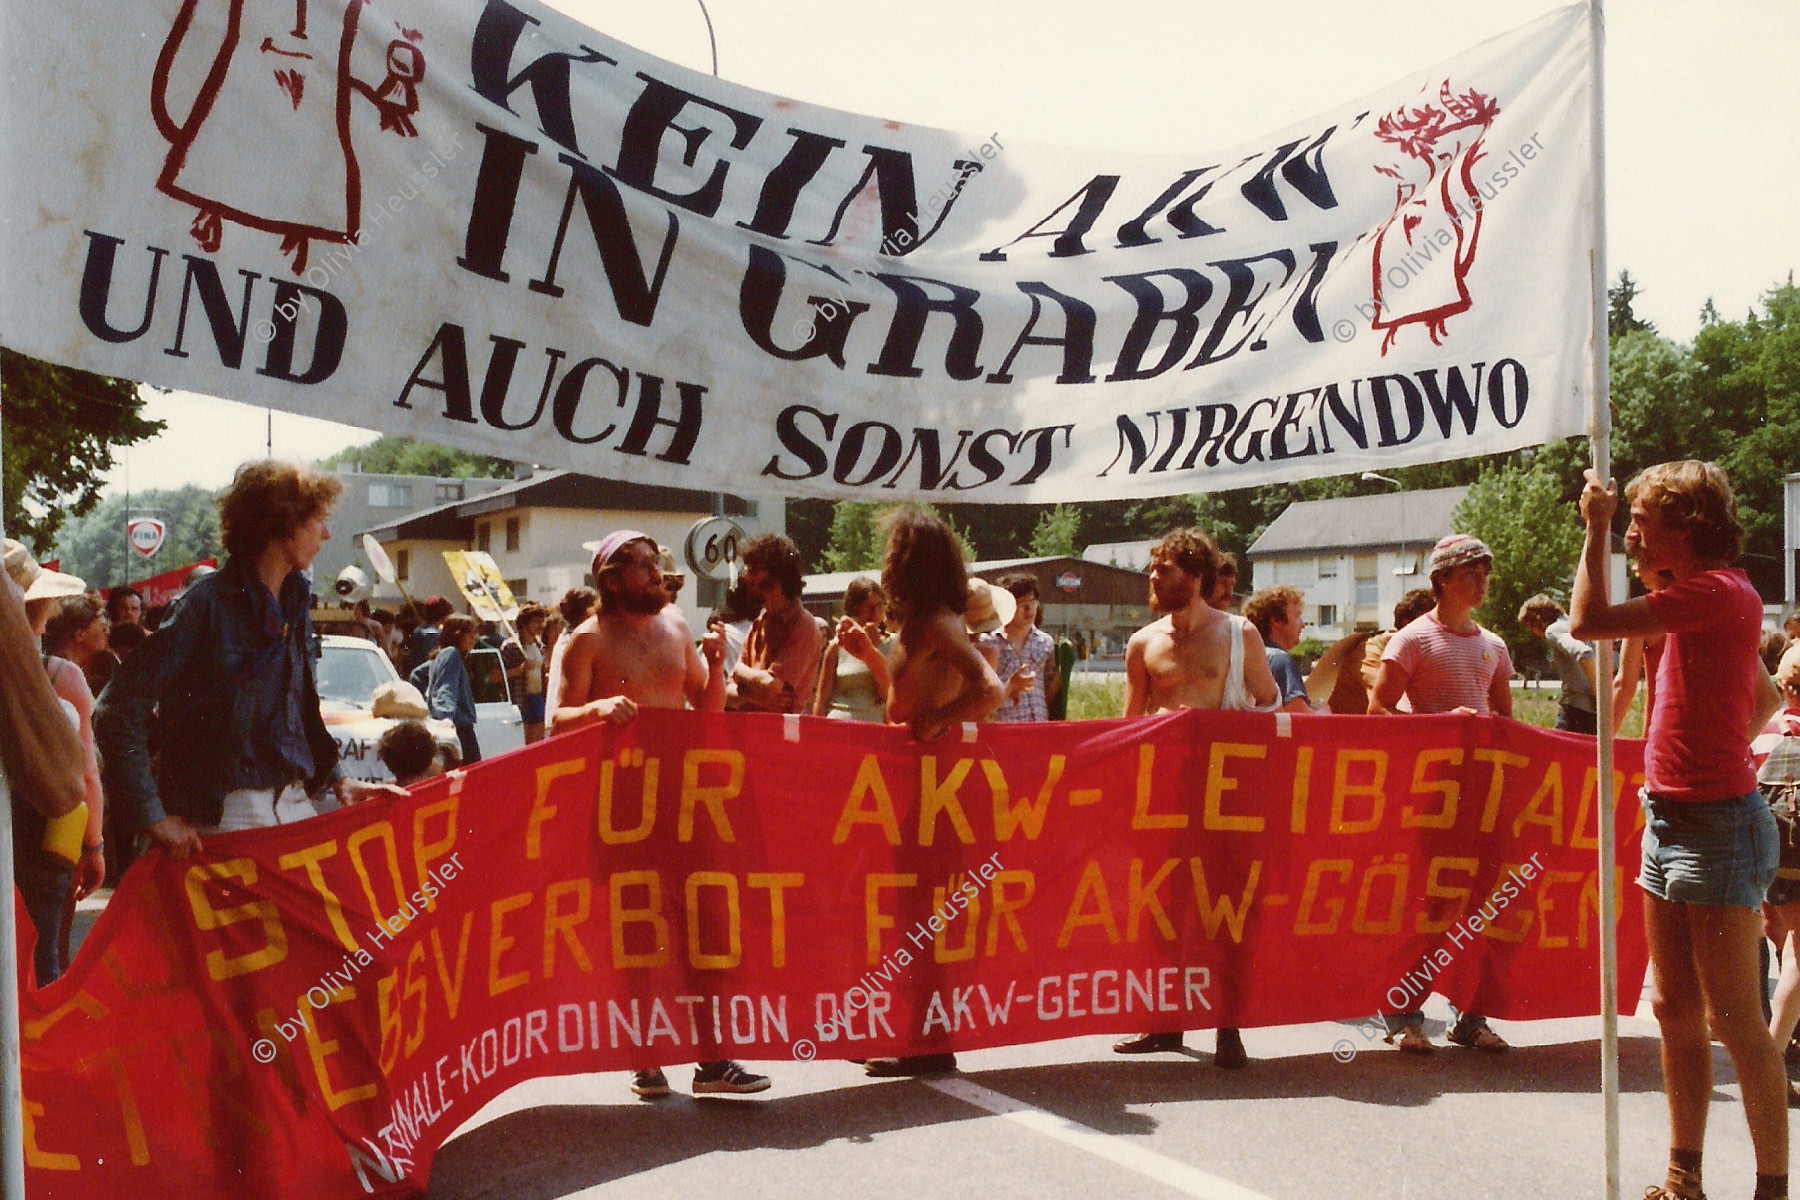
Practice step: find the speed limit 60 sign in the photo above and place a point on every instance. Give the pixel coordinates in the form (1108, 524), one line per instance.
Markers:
(712, 547)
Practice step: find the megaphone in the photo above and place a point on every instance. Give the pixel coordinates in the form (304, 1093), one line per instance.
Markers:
(352, 585)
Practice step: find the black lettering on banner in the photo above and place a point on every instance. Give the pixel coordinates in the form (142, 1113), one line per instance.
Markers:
(652, 115)
(913, 304)
(1152, 311)
(568, 399)
(1304, 172)
(759, 302)
(1089, 202)
(781, 190)
(328, 342)
(491, 51)
(1299, 424)
(497, 182)
(634, 292)
(1181, 217)
(229, 329)
(1077, 340)
(96, 288)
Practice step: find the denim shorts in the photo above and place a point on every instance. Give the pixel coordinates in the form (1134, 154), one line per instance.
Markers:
(1723, 852)
(531, 709)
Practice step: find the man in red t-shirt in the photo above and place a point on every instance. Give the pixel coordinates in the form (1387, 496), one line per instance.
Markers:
(1710, 845)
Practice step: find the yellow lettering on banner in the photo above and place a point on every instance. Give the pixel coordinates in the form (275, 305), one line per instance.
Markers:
(562, 924)
(1435, 890)
(1027, 814)
(734, 922)
(1218, 783)
(33, 1029)
(1141, 897)
(1304, 924)
(220, 965)
(940, 797)
(1504, 910)
(396, 1040)
(309, 860)
(136, 1143)
(1501, 759)
(776, 883)
(427, 851)
(1449, 789)
(941, 950)
(499, 943)
(1538, 813)
(1545, 906)
(1094, 884)
(1396, 873)
(1303, 758)
(1005, 906)
(869, 784)
(320, 1050)
(710, 798)
(1223, 912)
(1375, 790)
(383, 832)
(35, 1156)
(1588, 910)
(611, 834)
(1579, 838)
(452, 982)
(875, 919)
(1141, 816)
(541, 808)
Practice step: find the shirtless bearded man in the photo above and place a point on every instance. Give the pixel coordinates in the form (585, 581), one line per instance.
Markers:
(636, 651)
(1195, 656)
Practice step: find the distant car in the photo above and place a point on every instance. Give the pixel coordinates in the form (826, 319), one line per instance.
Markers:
(349, 669)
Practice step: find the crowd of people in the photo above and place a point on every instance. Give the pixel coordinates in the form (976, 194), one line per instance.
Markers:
(928, 647)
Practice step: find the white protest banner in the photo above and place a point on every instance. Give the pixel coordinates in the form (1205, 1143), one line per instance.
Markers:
(479, 223)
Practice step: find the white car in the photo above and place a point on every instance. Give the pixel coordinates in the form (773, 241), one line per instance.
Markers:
(349, 669)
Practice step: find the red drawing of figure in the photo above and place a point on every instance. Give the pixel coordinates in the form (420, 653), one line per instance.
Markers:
(266, 139)
(1425, 248)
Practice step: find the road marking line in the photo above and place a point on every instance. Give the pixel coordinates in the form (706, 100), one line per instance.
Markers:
(1180, 1176)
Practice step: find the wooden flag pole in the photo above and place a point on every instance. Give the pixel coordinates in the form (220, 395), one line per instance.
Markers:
(1600, 434)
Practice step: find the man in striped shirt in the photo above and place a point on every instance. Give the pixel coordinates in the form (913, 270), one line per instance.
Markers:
(1445, 662)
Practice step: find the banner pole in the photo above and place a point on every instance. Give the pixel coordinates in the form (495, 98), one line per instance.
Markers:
(12, 1096)
(1600, 435)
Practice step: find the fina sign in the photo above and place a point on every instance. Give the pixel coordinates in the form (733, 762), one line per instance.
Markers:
(145, 535)
(1068, 581)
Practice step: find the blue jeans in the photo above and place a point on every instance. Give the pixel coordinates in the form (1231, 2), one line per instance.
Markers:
(1722, 852)
(45, 890)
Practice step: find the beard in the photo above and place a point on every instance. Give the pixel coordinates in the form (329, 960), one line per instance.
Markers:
(1174, 596)
(645, 603)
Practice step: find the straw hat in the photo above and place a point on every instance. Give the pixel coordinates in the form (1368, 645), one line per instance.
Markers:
(988, 608)
(37, 583)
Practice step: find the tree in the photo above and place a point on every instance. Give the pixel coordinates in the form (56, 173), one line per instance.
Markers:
(858, 540)
(1056, 532)
(93, 546)
(1523, 512)
(392, 454)
(1620, 318)
(61, 429)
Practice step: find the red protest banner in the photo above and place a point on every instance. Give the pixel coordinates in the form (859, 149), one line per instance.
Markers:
(311, 1010)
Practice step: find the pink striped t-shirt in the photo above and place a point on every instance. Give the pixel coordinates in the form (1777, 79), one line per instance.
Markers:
(1446, 670)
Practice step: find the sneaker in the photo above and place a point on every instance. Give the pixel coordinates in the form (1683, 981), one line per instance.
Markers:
(911, 1065)
(1229, 1052)
(1480, 1038)
(727, 1078)
(1412, 1039)
(1150, 1043)
(649, 1085)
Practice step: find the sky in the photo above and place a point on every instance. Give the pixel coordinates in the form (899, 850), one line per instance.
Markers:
(1702, 162)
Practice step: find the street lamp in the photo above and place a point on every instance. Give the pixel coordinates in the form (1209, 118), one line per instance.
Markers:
(1405, 566)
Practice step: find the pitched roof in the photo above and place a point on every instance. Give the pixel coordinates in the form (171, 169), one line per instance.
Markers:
(1354, 522)
(550, 489)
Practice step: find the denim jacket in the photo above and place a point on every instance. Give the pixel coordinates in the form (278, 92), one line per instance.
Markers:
(448, 692)
(190, 670)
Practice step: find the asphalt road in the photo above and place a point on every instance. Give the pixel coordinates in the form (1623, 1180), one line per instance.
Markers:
(1070, 1119)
